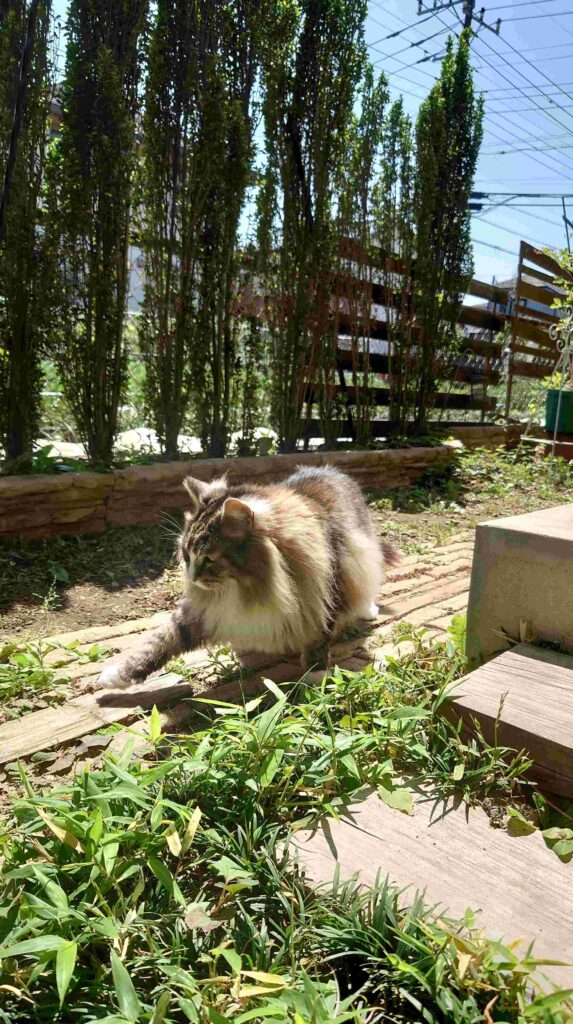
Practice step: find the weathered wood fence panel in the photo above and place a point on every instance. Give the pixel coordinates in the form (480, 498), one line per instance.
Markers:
(364, 338)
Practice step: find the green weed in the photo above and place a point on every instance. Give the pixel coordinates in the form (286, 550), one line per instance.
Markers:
(162, 890)
(23, 670)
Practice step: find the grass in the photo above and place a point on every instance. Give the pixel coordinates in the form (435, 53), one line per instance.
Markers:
(26, 674)
(120, 557)
(481, 485)
(160, 891)
(23, 669)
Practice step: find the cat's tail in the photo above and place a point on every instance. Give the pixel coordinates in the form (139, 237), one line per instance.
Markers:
(392, 557)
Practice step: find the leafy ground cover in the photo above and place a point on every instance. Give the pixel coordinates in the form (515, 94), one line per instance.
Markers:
(483, 485)
(161, 890)
(58, 585)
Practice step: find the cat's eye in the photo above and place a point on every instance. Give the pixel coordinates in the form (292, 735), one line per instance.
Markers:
(208, 561)
(186, 558)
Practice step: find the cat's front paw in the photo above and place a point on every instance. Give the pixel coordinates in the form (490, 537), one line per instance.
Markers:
(114, 677)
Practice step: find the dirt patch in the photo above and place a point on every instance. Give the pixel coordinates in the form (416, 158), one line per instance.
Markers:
(75, 582)
(69, 583)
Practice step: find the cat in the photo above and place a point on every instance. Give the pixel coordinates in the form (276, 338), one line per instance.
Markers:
(278, 569)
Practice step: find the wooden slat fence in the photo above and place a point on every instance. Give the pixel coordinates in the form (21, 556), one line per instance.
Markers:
(527, 352)
(532, 353)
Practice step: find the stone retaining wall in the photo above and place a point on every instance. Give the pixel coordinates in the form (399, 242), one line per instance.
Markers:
(42, 506)
(487, 435)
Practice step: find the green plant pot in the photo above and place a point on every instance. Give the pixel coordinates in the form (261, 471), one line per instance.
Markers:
(565, 425)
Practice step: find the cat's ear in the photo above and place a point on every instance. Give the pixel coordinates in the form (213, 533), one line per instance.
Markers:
(200, 492)
(237, 520)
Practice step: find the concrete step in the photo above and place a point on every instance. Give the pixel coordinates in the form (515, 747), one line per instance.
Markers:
(518, 888)
(526, 694)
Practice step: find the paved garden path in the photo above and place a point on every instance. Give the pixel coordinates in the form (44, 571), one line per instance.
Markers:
(444, 850)
(426, 590)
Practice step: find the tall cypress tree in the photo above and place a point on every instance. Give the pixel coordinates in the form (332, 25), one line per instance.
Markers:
(393, 215)
(196, 164)
(310, 82)
(173, 179)
(24, 98)
(359, 245)
(448, 138)
(89, 206)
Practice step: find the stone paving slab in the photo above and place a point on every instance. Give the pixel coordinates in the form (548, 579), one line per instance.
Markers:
(421, 591)
(451, 854)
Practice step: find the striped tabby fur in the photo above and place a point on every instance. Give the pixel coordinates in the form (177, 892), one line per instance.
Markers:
(277, 569)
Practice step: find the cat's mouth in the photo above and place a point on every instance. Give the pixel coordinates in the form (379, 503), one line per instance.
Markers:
(202, 584)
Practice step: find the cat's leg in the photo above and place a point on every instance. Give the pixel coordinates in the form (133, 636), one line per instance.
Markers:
(369, 612)
(183, 632)
(315, 659)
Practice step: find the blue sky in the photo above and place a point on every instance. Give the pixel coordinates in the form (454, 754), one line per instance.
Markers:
(542, 33)
(515, 85)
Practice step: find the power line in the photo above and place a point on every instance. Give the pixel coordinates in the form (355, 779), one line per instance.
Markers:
(541, 60)
(527, 149)
(562, 27)
(400, 31)
(532, 65)
(555, 159)
(514, 87)
(512, 231)
(526, 206)
(500, 208)
(408, 78)
(538, 159)
(533, 17)
(490, 245)
(518, 88)
(546, 113)
(393, 56)
(524, 195)
(528, 3)
(521, 110)
(552, 138)
(503, 181)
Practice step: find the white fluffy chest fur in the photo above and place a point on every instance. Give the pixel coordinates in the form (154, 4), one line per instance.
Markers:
(268, 628)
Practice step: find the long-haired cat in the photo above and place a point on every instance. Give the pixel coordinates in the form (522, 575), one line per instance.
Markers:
(276, 569)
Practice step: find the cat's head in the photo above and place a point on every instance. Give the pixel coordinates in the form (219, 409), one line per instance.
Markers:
(222, 538)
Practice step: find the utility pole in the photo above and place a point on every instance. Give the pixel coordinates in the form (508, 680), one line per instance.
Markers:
(567, 222)
(468, 11)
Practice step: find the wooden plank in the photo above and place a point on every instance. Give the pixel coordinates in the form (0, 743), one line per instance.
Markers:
(542, 259)
(347, 326)
(532, 332)
(537, 316)
(394, 265)
(377, 362)
(475, 316)
(449, 852)
(532, 371)
(491, 292)
(92, 634)
(537, 691)
(536, 351)
(352, 250)
(536, 294)
(52, 727)
(483, 347)
(538, 275)
(381, 396)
